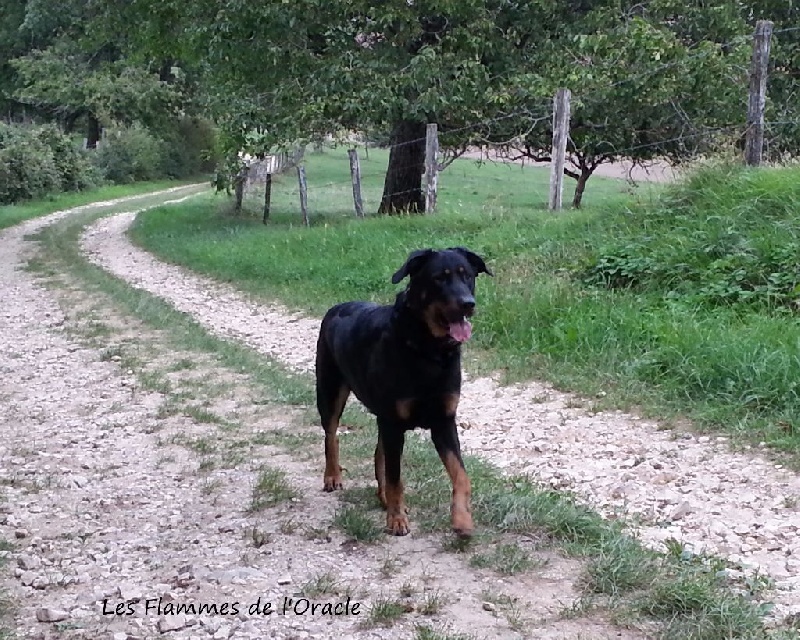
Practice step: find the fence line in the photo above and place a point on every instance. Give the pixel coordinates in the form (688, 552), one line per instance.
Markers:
(746, 125)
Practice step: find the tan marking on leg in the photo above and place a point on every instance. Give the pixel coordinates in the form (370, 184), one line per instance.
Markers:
(451, 404)
(380, 471)
(403, 408)
(460, 510)
(332, 479)
(396, 513)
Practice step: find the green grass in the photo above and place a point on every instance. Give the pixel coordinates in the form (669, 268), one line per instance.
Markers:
(15, 213)
(384, 612)
(358, 525)
(728, 364)
(271, 489)
(508, 559)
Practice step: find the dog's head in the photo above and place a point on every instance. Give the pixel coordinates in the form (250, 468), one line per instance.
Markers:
(442, 289)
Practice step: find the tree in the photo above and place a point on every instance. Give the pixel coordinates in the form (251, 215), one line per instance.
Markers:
(483, 70)
(67, 85)
(783, 83)
(661, 82)
(69, 72)
(310, 66)
(11, 46)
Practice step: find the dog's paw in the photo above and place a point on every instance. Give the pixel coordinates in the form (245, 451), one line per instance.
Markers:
(397, 524)
(462, 524)
(332, 483)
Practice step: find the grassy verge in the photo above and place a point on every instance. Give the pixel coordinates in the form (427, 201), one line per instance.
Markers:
(683, 595)
(557, 308)
(15, 213)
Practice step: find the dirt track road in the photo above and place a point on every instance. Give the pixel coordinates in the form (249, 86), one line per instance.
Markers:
(111, 493)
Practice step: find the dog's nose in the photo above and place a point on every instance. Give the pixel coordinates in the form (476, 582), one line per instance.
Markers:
(467, 304)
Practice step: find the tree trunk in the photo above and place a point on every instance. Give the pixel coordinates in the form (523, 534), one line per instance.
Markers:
(586, 172)
(402, 189)
(92, 132)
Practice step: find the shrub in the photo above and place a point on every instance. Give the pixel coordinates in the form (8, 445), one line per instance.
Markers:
(28, 166)
(75, 171)
(728, 236)
(128, 154)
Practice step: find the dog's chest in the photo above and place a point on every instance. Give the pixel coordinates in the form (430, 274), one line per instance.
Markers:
(427, 410)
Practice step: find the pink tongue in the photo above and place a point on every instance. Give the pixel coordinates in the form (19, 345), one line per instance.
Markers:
(460, 331)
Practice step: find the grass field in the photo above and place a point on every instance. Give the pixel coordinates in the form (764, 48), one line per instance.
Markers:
(677, 301)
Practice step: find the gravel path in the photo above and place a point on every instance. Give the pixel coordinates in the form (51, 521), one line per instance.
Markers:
(683, 486)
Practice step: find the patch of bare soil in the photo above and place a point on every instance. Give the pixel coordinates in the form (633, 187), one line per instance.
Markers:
(681, 486)
(129, 466)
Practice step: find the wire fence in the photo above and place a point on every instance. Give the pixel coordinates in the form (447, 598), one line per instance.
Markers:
(500, 139)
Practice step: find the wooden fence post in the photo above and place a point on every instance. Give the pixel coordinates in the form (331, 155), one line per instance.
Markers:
(301, 179)
(355, 175)
(431, 166)
(754, 140)
(267, 195)
(559, 153)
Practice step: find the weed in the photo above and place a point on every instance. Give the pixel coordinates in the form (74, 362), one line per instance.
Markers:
(508, 559)
(272, 488)
(357, 524)
(426, 632)
(323, 584)
(432, 603)
(385, 612)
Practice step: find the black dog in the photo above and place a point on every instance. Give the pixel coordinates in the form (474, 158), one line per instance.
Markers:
(403, 362)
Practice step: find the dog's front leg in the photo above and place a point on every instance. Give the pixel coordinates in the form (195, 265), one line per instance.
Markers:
(445, 439)
(392, 440)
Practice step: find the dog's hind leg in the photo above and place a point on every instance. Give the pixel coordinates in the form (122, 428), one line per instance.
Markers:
(445, 439)
(332, 394)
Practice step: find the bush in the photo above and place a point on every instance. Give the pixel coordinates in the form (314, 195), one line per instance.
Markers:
(129, 154)
(728, 236)
(75, 171)
(28, 166)
(38, 161)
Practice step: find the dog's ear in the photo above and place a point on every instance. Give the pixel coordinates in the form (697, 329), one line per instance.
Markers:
(474, 259)
(414, 263)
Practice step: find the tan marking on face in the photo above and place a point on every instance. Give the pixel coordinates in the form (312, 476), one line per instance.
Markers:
(403, 408)
(429, 316)
(451, 404)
